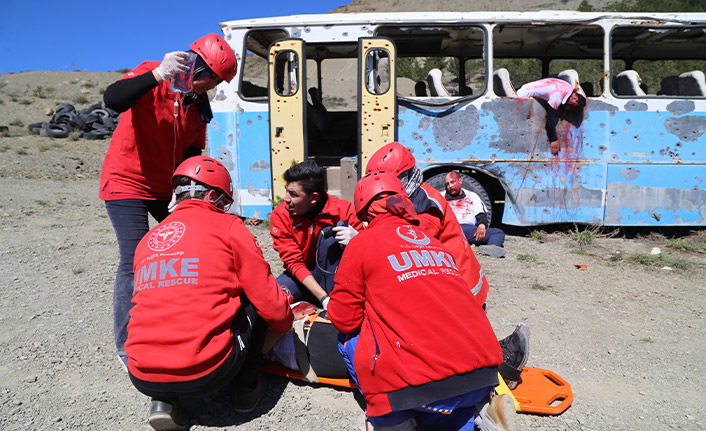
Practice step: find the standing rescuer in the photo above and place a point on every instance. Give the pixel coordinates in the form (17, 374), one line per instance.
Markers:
(418, 343)
(203, 298)
(158, 129)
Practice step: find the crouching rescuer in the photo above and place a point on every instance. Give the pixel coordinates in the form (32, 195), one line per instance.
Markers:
(417, 341)
(203, 297)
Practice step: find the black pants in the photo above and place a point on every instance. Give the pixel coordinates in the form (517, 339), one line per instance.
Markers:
(240, 367)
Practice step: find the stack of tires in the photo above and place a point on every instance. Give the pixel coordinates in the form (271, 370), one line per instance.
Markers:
(95, 122)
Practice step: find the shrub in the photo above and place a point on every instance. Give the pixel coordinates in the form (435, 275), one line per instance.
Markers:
(689, 245)
(527, 257)
(660, 260)
(39, 92)
(538, 235)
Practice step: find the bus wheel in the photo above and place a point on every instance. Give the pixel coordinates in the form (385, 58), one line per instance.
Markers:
(438, 181)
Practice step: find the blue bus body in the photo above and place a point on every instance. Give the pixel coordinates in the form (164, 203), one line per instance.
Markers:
(632, 160)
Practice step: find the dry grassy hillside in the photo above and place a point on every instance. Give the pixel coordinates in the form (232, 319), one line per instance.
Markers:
(463, 5)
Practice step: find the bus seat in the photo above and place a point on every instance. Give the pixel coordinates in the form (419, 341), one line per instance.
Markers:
(587, 87)
(466, 90)
(436, 88)
(692, 83)
(420, 89)
(572, 77)
(502, 85)
(317, 115)
(669, 86)
(627, 83)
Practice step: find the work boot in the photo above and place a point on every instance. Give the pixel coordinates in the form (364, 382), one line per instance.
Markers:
(515, 349)
(168, 416)
(499, 414)
(245, 399)
(491, 250)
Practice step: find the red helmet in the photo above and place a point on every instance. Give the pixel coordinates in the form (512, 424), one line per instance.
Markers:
(393, 157)
(217, 55)
(373, 184)
(207, 171)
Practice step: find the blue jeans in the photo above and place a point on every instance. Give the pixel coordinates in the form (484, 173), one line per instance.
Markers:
(328, 256)
(130, 222)
(493, 236)
(461, 417)
(461, 410)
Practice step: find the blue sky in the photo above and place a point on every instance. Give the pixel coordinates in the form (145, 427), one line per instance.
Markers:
(100, 36)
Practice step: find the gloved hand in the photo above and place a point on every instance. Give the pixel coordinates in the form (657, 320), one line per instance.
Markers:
(324, 301)
(290, 297)
(173, 63)
(344, 234)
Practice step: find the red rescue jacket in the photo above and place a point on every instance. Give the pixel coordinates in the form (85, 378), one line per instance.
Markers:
(419, 322)
(295, 237)
(189, 273)
(149, 143)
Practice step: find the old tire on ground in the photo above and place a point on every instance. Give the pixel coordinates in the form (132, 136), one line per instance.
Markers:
(55, 130)
(438, 181)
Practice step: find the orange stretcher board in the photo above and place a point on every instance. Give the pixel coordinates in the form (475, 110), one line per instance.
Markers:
(277, 369)
(540, 391)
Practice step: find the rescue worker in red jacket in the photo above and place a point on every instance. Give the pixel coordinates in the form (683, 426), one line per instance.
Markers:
(438, 219)
(158, 129)
(435, 215)
(310, 258)
(201, 291)
(419, 345)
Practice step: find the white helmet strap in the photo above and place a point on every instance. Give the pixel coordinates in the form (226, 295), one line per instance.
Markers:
(192, 189)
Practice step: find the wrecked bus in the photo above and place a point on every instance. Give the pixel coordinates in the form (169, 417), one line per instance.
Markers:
(336, 87)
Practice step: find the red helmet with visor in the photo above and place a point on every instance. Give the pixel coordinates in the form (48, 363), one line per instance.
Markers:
(217, 55)
(393, 157)
(372, 185)
(206, 171)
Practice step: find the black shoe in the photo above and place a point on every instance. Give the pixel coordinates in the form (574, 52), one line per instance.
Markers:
(515, 349)
(168, 416)
(245, 399)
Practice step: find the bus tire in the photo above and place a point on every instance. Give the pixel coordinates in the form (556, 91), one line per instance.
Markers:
(438, 181)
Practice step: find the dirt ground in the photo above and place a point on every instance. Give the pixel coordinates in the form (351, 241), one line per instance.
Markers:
(627, 336)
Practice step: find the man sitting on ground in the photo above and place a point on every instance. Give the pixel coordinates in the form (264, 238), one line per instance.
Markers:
(473, 217)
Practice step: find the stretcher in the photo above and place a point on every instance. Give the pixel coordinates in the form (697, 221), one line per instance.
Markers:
(540, 391)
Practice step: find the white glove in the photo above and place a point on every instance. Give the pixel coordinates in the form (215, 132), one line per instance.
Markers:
(324, 302)
(173, 63)
(344, 234)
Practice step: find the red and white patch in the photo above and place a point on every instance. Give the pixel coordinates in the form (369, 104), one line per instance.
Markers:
(166, 236)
